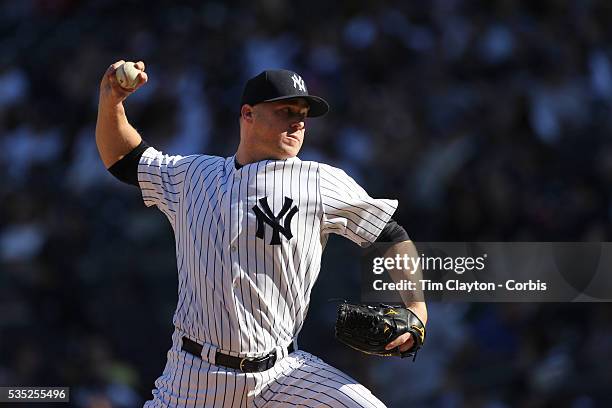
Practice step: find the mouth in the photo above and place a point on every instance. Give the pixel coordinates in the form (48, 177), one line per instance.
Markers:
(293, 137)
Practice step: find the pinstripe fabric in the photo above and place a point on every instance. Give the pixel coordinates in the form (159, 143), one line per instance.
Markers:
(248, 247)
(300, 379)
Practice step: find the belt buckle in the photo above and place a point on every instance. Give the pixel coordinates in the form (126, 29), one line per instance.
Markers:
(242, 361)
(268, 360)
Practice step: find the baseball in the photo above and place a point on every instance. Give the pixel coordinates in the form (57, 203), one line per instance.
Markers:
(127, 75)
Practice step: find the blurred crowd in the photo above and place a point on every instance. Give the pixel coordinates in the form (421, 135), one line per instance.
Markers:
(488, 120)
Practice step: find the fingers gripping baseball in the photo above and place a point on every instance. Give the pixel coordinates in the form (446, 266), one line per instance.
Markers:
(111, 89)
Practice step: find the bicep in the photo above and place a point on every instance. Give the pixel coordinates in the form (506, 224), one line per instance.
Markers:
(126, 169)
(393, 232)
(349, 211)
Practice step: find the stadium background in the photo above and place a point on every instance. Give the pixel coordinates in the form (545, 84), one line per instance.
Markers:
(488, 120)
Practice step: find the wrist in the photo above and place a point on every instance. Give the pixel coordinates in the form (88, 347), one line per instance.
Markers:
(112, 111)
(419, 309)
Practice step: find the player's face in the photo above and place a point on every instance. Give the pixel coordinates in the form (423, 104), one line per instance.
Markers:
(279, 127)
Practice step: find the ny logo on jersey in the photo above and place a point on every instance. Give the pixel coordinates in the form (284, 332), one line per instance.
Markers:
(298, 83)
(266, 216)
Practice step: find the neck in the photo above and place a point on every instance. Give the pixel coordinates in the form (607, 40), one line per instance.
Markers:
(245, 155)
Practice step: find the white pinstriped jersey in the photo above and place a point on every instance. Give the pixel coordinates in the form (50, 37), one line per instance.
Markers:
(249, 241)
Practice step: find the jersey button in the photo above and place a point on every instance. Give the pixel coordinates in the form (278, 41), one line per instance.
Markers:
(233, 248)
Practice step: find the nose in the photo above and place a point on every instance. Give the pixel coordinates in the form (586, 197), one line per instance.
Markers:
(299, 124)
(300, 121)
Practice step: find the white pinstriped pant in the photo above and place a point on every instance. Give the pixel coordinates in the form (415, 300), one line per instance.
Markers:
(298, 380)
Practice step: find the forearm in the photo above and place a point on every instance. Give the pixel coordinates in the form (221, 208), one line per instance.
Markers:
(413, 299)
(115, 137)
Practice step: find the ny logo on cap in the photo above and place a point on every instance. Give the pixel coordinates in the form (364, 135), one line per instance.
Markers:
(298, 82)
(266, 216)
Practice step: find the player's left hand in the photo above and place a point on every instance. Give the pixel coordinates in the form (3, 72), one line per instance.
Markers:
(406, 340)
(382, 330)
(405, 343)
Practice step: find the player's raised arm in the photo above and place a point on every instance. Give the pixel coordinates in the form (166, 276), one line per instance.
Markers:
(115, 137)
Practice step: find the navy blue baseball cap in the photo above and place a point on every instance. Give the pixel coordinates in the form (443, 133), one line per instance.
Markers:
(280, 84)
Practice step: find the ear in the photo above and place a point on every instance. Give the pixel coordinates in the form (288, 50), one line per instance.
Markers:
(246, 112)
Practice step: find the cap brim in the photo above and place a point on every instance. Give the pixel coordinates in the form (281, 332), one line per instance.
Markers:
(318, 106)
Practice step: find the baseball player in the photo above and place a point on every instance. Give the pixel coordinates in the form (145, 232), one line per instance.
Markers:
(250, 230)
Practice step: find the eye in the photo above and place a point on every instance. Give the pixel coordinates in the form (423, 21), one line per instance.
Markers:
(291, 112)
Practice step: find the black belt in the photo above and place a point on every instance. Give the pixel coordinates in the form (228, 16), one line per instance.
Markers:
(246, 365)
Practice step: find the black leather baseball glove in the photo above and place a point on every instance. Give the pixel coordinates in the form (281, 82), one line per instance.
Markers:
(370, 328)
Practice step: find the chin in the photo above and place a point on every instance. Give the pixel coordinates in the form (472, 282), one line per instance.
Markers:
(289, 153)
(290, 149)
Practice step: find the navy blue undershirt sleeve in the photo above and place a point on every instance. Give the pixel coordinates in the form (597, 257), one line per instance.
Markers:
(126, 169)
(393, 232)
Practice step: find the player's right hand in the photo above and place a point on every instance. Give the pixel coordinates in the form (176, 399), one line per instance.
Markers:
(110, 90)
